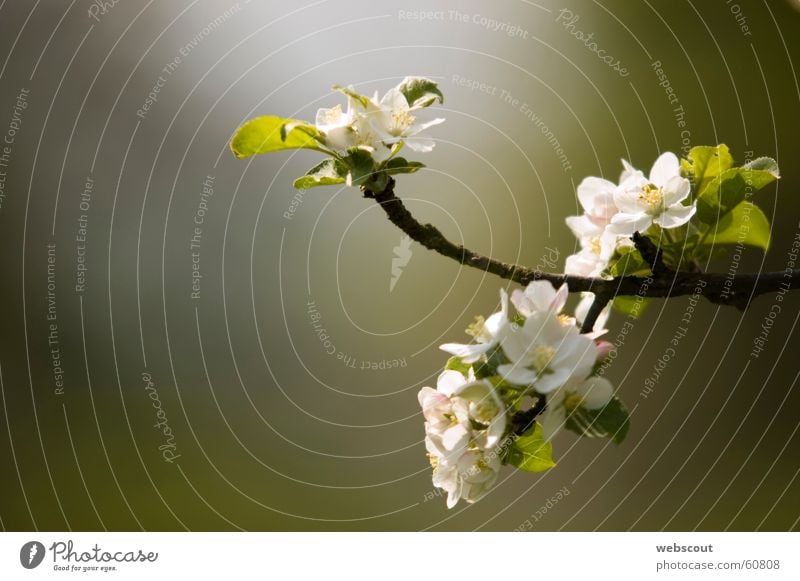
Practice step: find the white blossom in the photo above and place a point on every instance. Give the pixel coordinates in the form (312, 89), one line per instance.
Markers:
(654, 200)
(546, 352)
(465, 421)
(487, 334)
(540, 296)
(591, 394)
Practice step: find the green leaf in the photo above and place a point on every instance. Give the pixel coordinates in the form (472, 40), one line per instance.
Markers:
(270, 133)
(398, 165)
(420, 92)
(704, 163)
(611, 421)
(731, 187)
(628, 261)
(456, 364)
(745, 224)
(329, 172)
(360, 165)
(631, 306)
(531, 452)
(351, 92)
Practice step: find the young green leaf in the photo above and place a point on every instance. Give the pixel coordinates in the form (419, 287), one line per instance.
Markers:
(327, 173)
(361, 167)
(745, 224)
(704, 163)
(531, 452)
(611, 421)
(269, 133)
(731, 187)
(420, 92)
(456, 364)
(351, 92)
(398, 165)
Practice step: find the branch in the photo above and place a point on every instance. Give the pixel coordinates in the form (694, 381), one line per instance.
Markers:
(724, 289)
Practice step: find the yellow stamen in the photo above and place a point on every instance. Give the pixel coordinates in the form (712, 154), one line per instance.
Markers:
(542, 356)
(476, 328)
(652, 196)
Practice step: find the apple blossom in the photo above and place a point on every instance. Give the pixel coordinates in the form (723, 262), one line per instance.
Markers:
(546, 352)
(657, 200)
(487, 334)
(592, 393)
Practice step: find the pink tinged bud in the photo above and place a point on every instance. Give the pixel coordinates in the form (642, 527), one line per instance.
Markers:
(604, 349)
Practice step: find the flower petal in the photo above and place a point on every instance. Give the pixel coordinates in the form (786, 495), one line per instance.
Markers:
(666, 167)
(626, 224)
(675, 216)
(675, 190)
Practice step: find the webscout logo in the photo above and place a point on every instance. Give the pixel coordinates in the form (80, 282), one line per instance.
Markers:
(66, 557)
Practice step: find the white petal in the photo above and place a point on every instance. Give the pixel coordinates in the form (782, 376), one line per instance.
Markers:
(675, 216)
(468, 353)
(666, 166)
(449, 381)
(583, 226)
(595, 392)
(542, 295)
(593, 194)
(629, 172)
(394, 100)
(552, 420)
(629, 200)
(455, 438)
(420, 127)
(420, 145)
(675, 190)
(517, 374)
(522, 303)
(627, 224)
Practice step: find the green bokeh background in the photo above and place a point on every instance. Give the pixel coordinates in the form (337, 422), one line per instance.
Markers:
(275, 433)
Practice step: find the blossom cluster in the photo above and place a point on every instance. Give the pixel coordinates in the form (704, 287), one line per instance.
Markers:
(380, 126)
(612, 213)
(536, 352)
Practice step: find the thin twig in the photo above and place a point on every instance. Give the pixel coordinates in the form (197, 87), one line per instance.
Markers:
(725, 289)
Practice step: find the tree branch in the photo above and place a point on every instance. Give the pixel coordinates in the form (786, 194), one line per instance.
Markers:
(725, 289)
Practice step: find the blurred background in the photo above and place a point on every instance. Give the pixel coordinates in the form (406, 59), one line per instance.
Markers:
(189, 343)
